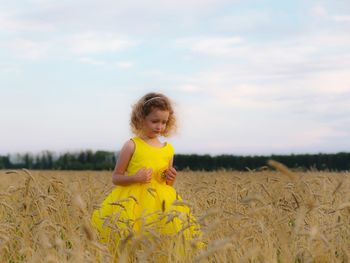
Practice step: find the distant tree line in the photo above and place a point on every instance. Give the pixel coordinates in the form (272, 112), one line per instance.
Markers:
(336, 162)
(104, 160)
(83, 160)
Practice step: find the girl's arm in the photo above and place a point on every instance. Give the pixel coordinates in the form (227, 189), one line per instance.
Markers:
(171, 173)
(119, 177)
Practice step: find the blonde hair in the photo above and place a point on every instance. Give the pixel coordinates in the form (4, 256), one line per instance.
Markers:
(145, 105)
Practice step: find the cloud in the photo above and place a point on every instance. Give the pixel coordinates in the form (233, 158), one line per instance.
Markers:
(246, 130)
(92, 43)
(253, 92)
(12, 23)
(322, 12)
(228, 94)
(242, 22)
(217, 46)
(319, 10)
(300, 55)
(341, 18)
(332, 82)
(295, 75)
(125, 17)
(314, 136)
(97, 62)
(9, 68)
(91, 61)
(77, 45)
(234, 46)
(124, 64)
(189, 88)
(28, 49)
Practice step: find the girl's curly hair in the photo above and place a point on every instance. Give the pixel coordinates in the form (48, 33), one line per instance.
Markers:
(145, 105)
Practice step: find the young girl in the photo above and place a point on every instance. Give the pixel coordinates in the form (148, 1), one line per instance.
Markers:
(144, 198)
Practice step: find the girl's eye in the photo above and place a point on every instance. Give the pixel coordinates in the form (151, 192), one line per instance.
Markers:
(163, 122)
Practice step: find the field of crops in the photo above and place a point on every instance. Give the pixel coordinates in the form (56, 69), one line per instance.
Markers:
(264, 216)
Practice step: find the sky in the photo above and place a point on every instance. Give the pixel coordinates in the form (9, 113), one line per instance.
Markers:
(246, 77)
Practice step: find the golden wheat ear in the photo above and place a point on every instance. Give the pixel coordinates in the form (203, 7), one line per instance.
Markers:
(283, 169)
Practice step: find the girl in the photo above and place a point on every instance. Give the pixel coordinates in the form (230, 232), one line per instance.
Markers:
(144, 199)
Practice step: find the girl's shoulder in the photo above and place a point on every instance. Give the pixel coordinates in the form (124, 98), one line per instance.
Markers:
(128, 147)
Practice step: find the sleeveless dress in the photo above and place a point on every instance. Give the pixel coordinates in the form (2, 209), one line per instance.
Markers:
(137, 208)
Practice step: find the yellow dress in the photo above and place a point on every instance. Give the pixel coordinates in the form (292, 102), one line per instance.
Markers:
(140, 207)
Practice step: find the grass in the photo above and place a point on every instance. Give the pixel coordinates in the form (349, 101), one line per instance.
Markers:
(266, 216)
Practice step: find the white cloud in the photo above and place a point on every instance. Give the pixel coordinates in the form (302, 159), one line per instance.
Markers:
(9, 68)
(28, 49)
(319, 10)
(230, 94)
(311, 136)
(92, 43)
(11, 23)
(291, 76)
(253, 92)
(250, 20)
(188, 88)
(96, 62)
(218, 45)
(237, 47)
(332, 82)
(213, 127)
(298, 56)
(211, 45)
(341, 18)
(124, 64)
(81, 45)
(91, 61)
(322, 12)
(146, 17)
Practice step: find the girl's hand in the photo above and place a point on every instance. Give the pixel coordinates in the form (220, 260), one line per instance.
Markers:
(143, 175)
(170, 175)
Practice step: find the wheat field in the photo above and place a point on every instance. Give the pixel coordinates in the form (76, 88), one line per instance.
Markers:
(254, 216)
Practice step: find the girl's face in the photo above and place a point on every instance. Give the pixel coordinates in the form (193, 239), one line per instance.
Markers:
(155, 123)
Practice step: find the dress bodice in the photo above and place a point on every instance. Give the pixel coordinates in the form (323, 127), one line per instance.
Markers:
(148, 156)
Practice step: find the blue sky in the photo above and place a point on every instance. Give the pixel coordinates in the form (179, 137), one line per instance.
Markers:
(247, 77)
